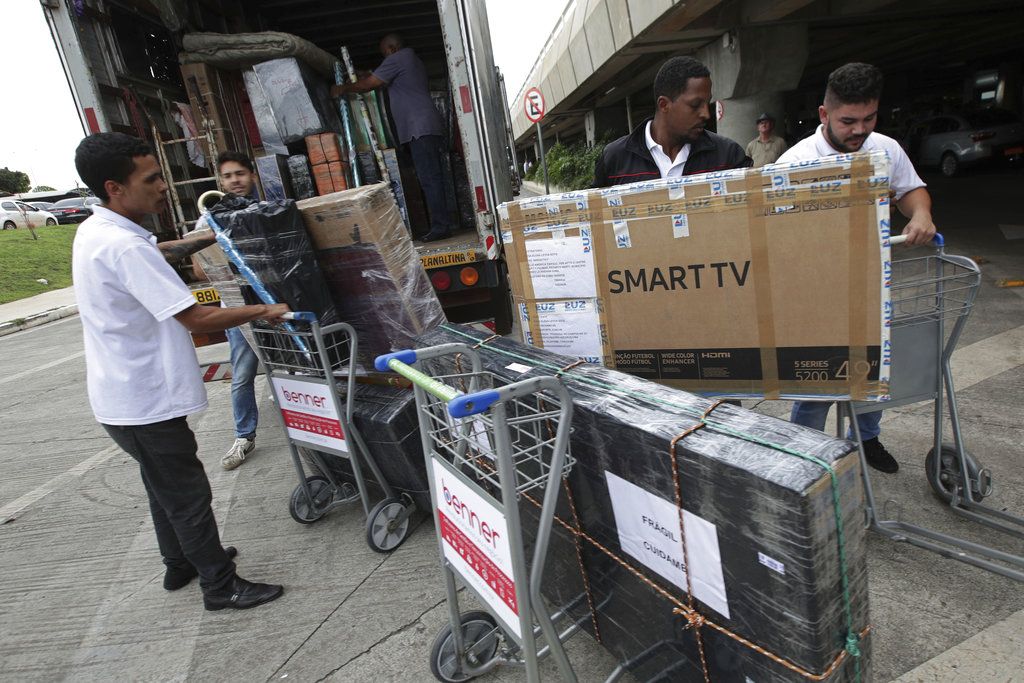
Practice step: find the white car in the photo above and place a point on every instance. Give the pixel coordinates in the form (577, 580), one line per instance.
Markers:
(18, 214)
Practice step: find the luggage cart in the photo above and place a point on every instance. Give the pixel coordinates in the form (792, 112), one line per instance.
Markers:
(312, 372)
(486, 444)
(927, 293)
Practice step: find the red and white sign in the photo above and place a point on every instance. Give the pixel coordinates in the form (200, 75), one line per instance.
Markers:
(309, 413)
(533, 102)
(474, 539)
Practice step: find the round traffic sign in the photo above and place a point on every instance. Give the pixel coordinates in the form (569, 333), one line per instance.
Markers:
(533, 102)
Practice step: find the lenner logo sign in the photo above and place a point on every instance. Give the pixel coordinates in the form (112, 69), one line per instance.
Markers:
(309, 413)
(461, 509)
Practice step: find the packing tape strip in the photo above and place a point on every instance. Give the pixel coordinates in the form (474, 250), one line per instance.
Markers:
(621, 230)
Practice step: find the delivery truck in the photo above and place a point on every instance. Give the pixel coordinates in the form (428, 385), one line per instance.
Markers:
(123, 62)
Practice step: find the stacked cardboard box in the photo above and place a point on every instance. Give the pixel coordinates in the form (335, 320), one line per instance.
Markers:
(762, 282)
(367, 256)
(330, 167)
(761, 529)
(210, 95)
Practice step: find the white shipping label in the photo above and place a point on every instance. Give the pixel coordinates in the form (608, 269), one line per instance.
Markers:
(562, 267)
(518, 367)
(648, 527)
(474, 539)
(309, 413)
(571, 328)
(771, 563)
(680, 225)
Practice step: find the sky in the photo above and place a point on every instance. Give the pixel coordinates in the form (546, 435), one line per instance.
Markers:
(39, 128)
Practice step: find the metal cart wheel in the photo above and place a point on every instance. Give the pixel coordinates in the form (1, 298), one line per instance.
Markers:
(382, 534)
(945, 475)
(305, 511)
(479, 637)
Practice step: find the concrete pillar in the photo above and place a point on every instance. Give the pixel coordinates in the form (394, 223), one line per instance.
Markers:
(750, 69)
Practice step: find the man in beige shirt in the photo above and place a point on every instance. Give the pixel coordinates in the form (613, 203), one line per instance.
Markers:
(766, 147)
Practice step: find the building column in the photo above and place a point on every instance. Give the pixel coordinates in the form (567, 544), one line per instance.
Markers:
(751, 68)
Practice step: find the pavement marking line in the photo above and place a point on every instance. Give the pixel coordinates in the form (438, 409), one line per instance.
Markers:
(45, 366)
(10, 512)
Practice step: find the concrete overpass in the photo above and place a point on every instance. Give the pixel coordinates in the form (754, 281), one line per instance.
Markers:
(598, 64)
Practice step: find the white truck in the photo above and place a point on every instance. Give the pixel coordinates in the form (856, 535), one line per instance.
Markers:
(121, 61)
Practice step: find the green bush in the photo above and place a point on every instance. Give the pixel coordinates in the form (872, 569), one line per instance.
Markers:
(569, 167)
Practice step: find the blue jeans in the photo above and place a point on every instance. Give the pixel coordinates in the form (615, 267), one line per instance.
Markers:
(426, 152)
(813, 413)
(244, 366)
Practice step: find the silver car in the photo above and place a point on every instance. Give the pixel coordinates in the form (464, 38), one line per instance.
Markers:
(17, 214)
(953, 141)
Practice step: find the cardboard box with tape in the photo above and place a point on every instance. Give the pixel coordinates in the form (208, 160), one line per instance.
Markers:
(767, 282)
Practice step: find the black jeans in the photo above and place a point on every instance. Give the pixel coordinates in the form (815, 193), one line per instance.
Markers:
(427, 151)
(179, 497)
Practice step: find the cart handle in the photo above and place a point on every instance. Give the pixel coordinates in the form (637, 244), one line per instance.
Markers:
(398, 362)
(304, 316)
(472, 404)
(937, 241)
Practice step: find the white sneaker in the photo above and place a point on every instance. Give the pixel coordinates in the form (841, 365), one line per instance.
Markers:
(236, 454)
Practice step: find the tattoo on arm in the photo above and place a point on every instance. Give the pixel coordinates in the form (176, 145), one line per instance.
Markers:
(177, 250)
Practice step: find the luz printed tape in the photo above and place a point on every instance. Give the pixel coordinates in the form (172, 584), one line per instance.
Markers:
(621, 230)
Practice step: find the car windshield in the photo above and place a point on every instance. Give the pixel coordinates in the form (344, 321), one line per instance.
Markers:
(73, 201)
(990, 117)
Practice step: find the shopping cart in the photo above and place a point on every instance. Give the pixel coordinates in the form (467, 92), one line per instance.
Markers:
(487, 444)
(928, 293)
(312, 371)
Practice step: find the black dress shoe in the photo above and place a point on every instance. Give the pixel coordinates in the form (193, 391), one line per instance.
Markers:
(241, 594)
(178, 577)
(879, 458)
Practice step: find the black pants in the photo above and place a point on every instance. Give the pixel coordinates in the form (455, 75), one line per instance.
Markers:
(427, 151)
(179, 497)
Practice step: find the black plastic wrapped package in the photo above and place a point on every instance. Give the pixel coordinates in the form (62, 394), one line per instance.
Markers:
(301, 176)
(761, 528)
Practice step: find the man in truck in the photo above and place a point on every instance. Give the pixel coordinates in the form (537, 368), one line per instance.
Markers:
(417, 123)
(142, 375)
(674, 143)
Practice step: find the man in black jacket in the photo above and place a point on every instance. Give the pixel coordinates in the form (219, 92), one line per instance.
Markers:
(674, 143)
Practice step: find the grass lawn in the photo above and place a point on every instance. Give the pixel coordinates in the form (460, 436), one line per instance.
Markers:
(24, 260)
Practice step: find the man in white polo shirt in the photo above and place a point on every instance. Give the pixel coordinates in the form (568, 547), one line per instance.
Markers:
(142, 374)
(848, 117)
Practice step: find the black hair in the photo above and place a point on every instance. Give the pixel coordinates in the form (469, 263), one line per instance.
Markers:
(675, 73)
(108, 156)
(237, 157)
(854, 83)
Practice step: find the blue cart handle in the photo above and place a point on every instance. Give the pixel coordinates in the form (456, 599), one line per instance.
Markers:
(382, 362)
(472, 404)
(937, 241)
(304, 316)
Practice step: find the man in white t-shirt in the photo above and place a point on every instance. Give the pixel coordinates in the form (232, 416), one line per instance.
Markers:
(142, 374)
(848, 117)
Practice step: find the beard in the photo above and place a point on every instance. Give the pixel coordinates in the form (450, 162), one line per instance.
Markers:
(850, 144)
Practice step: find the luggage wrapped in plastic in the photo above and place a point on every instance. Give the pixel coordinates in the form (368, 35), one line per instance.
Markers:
(301, 176)
(773, 581)
(373, 271)
(270, 136)
(298, 99)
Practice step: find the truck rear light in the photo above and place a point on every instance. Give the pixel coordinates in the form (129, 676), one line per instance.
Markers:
(441, 280)
(469, 276)
(982, 135)
(481, 201)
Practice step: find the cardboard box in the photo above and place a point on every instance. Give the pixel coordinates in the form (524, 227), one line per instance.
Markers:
(330, 177)
(767, 282)
(208, 93)
(367, 256)
(761, 525)
(324, 148)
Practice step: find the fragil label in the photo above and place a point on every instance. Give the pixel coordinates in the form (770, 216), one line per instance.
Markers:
(309, 413)
(474, 538)
(648, 527)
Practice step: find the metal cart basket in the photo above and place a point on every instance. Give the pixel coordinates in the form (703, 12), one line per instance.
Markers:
(312, 372)
(487, 444)
(928, 293)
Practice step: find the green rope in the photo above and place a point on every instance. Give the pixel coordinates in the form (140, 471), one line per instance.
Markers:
(852, 640)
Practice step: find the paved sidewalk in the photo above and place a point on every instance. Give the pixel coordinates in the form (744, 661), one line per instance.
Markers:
(37, 310)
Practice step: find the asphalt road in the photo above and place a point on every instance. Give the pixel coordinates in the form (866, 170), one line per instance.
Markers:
(81, 595)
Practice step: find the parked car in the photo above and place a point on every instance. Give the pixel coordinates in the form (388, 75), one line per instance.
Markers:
(42, 206)
(16, 214)
(953, 141)
(74, 209)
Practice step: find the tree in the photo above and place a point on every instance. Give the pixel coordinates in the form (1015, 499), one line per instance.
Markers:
(44, 188)
(14, 181)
